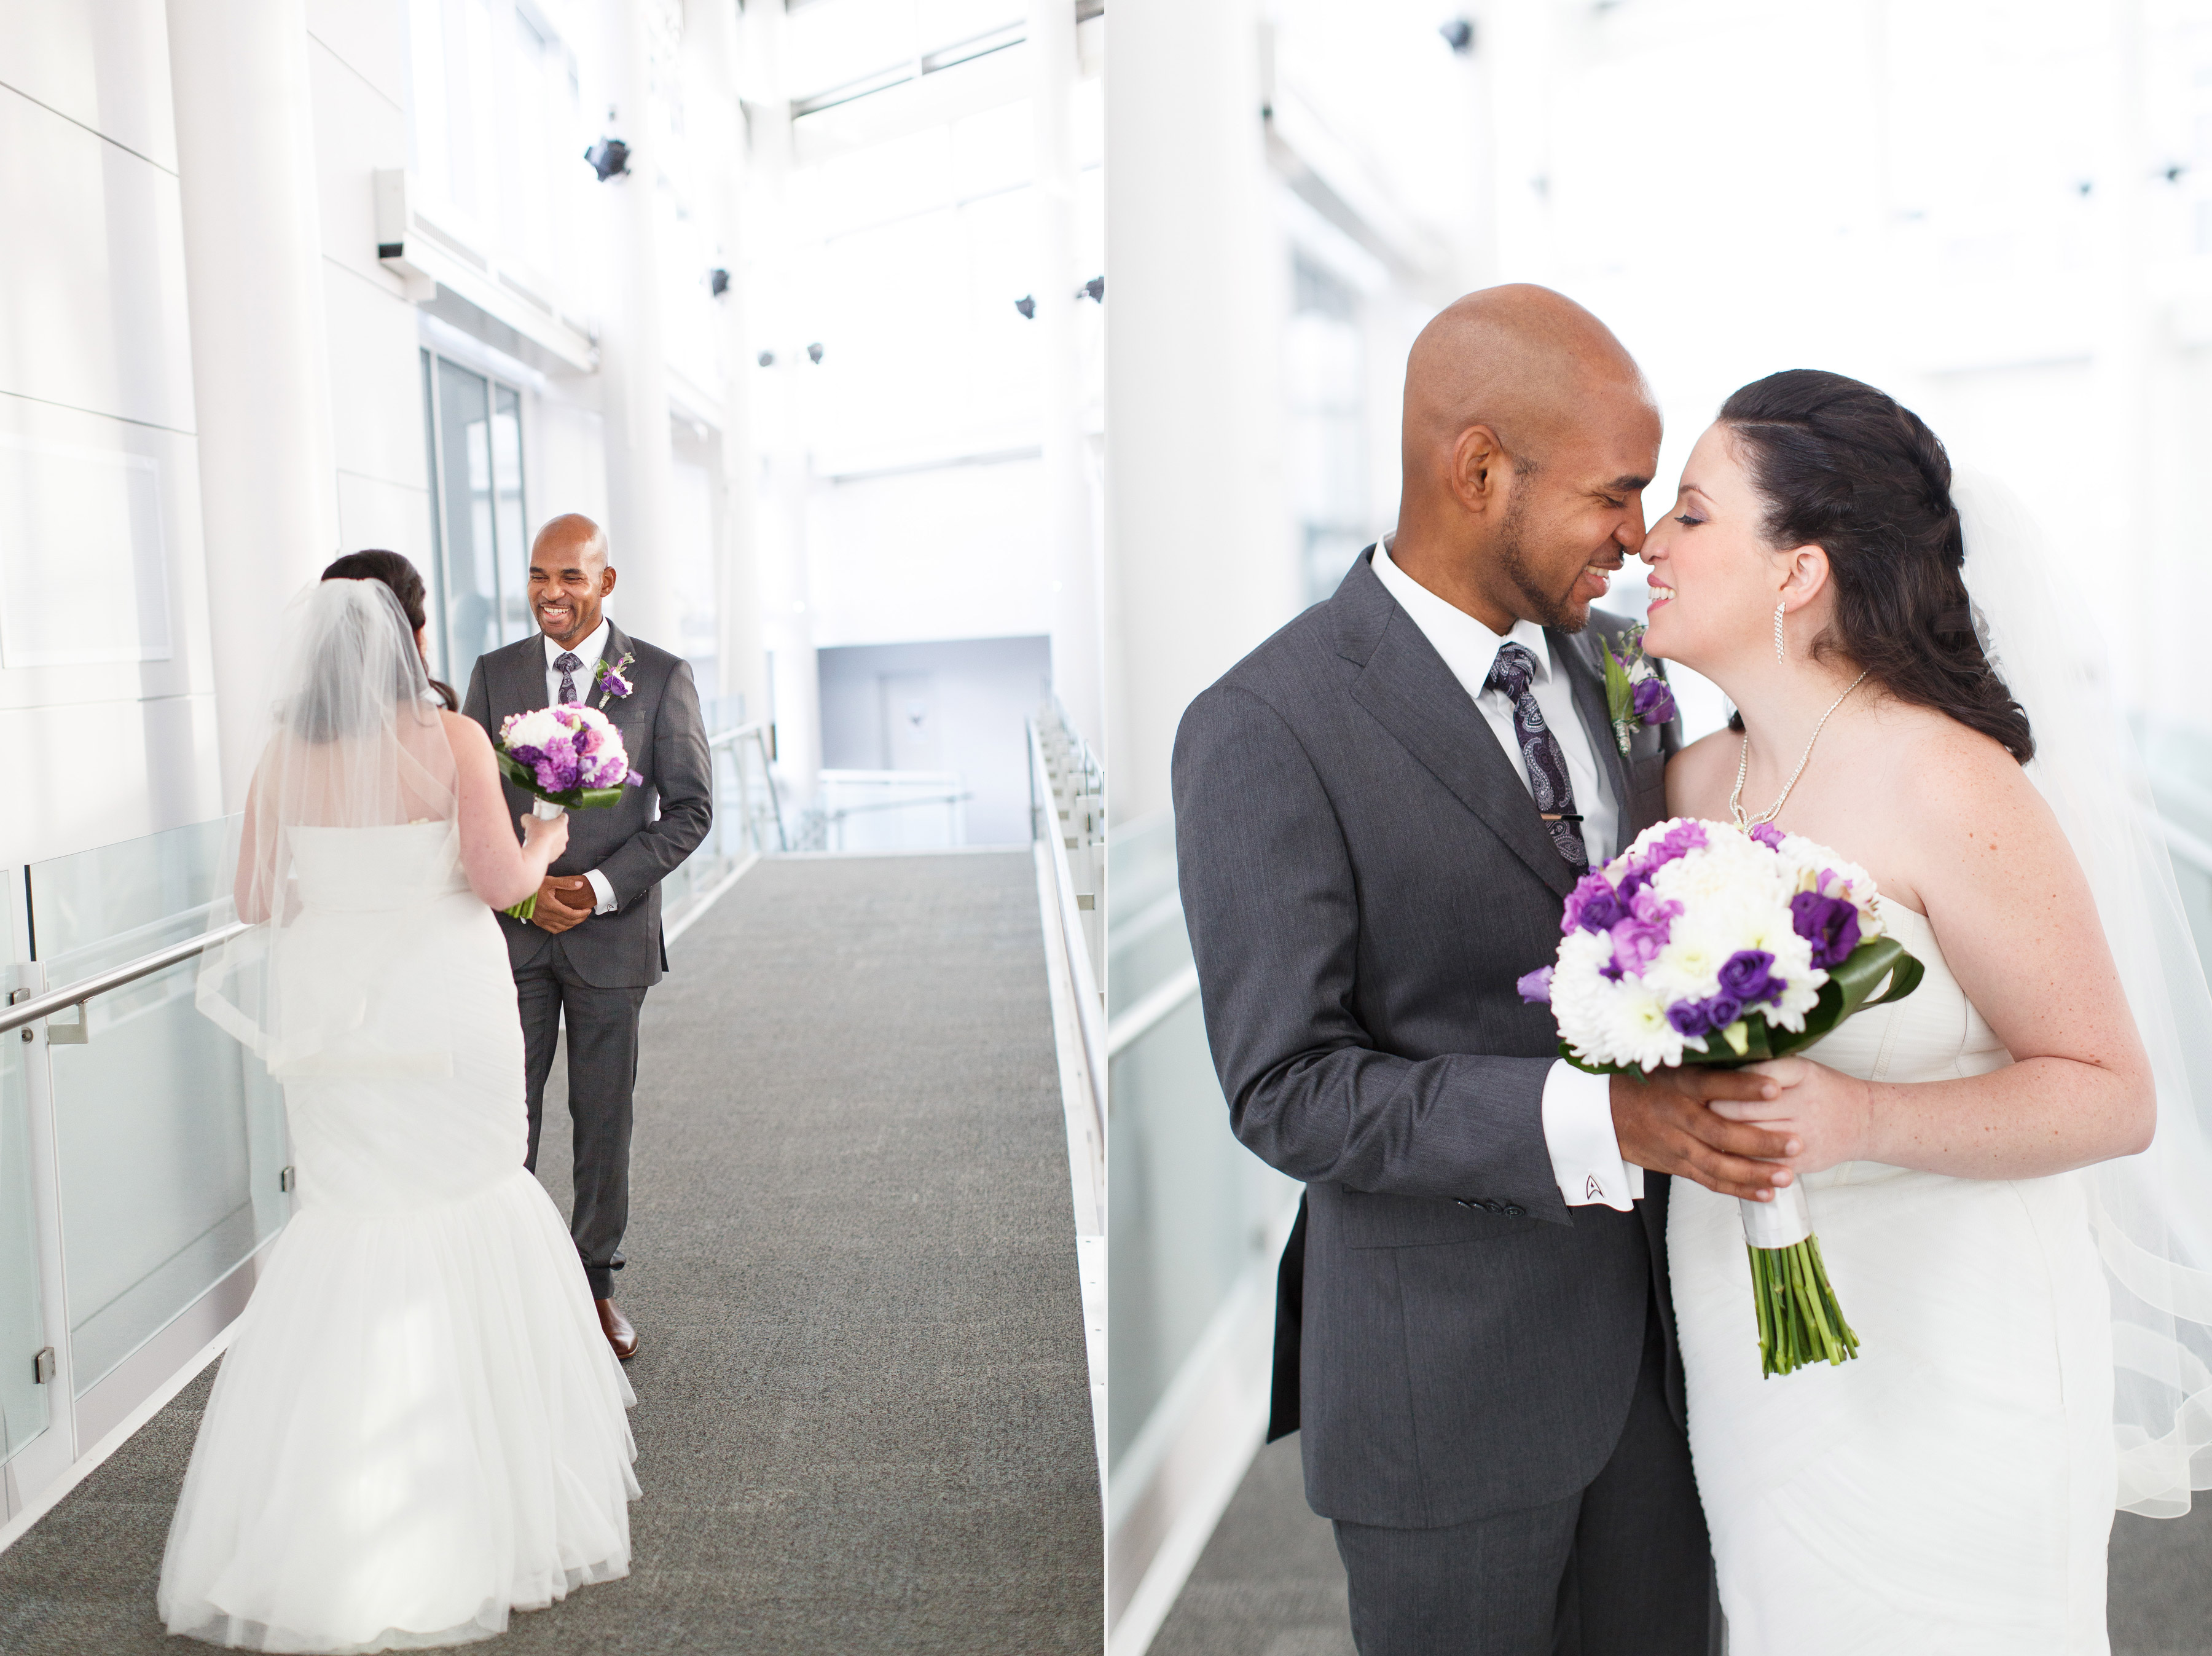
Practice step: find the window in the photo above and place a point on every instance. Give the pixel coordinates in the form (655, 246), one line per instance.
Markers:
(479, 587)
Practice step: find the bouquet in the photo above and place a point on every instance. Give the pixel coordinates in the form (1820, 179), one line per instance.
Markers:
(1703, 943)
(568, 757)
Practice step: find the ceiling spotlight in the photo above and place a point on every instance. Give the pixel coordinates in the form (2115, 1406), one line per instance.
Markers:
(1027, 305)
(1094, 288)
(766, 359)
(608, 157)
(1459, 35)
(718, 282)
(814, 352)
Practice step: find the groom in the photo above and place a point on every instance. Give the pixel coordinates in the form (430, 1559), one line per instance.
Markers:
(1379, 814)
(594, 946)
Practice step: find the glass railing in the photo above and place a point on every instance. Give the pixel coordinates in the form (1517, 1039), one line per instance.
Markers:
(169, 1137)
(23, 1410)
(1194, 1212)
(747, 817)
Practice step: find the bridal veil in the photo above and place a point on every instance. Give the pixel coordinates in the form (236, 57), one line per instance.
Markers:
(355, 741)
(2153, 1212)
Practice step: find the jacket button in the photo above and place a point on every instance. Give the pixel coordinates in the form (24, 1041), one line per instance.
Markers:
(1514, 1212)
(1493, 1207)
(1460, 1201)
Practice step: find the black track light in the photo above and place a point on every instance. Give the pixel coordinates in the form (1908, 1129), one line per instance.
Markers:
(766, 359)
(1027, 305)
(718, 282)
(814, 353)
(608, 157)
(1459, 35)
(1095, 289)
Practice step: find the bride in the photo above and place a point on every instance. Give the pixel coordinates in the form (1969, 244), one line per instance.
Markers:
(1952, 1489)
(419, 1427)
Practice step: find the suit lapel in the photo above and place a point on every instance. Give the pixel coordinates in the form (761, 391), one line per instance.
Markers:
(1412, 695)
(525, 675)
(1586, 672)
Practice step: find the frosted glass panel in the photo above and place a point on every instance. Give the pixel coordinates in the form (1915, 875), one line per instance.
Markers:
(23, 1316)
(170, 1137)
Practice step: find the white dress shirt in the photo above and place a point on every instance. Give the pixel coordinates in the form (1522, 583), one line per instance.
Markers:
(1577, 1106)
(588, 652)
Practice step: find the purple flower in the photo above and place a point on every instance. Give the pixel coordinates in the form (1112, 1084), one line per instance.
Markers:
(1593, 905)
(635, 779)
(1536, 988)
(1767, 835)
(1653, 702)
(1748, 977)
(1637, 943)
(1695, 1018)
(1830, 924)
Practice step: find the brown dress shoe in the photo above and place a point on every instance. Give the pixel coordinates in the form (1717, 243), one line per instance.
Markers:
(616, 1326)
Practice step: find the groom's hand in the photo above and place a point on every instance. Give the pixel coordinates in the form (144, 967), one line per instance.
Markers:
(1664, 1124)
(563, 901)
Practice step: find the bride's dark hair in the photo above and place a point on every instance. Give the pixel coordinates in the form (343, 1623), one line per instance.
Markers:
(406, 583)
(1850, 469)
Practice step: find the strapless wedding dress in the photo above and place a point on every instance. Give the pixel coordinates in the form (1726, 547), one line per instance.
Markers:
(1950, 1491)
(419, 1426)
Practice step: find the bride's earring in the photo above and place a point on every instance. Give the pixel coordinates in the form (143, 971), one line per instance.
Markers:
(1780, 654)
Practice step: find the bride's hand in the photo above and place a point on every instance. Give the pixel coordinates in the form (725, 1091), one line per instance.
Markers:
(1830, 1113)
(540, 836)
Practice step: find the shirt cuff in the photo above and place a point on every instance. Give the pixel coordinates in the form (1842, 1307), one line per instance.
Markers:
(606, 894)
(1585, 1151)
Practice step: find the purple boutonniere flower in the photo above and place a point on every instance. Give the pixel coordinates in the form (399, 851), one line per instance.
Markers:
(611, 679)
(1636, 696)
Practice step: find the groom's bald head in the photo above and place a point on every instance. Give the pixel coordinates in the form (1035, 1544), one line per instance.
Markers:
(1529, 434)
(1525, 362)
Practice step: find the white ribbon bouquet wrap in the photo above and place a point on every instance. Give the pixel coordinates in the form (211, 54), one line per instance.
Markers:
(1704, 943)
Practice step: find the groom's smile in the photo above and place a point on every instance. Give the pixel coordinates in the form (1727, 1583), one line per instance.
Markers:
(570, 579)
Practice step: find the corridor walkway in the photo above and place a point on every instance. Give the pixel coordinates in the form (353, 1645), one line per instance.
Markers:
(863, 1421)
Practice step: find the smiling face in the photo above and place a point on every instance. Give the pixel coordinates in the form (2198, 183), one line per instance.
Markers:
(1715, 580)
(1571, 521)
(570, 579)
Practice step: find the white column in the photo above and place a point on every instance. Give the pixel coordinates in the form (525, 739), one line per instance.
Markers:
(253, 272)
(633, 373)
(1077, 579)
(786, 617)
(1201, 561)
(710, 40)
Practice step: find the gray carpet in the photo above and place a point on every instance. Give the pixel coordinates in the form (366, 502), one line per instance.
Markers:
(863, 1420)
(1269, 1583)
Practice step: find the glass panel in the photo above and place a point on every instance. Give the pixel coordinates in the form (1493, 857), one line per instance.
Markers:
(170, 1137)
(1193, 1210)
(465, 478)
(22, 1312)
(511, 540)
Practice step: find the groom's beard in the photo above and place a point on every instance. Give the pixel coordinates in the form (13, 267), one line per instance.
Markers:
(1546, 609)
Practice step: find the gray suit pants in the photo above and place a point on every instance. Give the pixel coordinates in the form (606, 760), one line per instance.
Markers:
(602, 1075)
(1622, 1569)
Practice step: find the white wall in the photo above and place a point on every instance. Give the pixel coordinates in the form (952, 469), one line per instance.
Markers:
(95, 367)
(981, 691)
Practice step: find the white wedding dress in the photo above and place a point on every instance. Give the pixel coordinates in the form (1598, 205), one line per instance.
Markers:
(419, 1426)
(1950, 1491)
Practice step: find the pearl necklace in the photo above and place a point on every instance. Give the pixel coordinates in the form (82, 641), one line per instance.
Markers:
(1743, 764)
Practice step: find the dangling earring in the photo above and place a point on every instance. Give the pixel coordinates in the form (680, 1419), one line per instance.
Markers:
(1780, 654)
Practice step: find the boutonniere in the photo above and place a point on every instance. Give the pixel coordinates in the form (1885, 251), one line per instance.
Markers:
(1635, 694)
(607, 678)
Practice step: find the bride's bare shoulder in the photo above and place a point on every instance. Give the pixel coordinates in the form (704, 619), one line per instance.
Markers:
(464, 734)
(1951, 773)
(1699, 777)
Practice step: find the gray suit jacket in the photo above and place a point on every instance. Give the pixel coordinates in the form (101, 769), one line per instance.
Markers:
(666, 737)
(1365, 877)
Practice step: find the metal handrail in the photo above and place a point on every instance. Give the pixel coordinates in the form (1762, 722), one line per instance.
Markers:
(76, 994)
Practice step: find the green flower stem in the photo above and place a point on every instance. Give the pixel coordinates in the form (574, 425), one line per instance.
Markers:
(1799, 1319)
